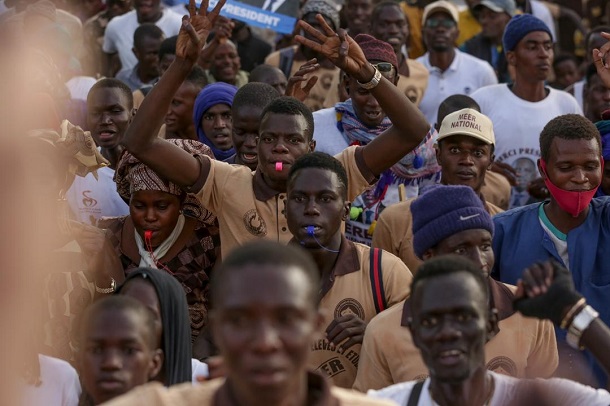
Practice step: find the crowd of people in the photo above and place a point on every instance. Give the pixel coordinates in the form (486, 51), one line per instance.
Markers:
(400, 203)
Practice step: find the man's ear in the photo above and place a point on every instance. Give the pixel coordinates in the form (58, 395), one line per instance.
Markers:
(155, 364)
(413, 332)
(491, 161)
(542, 174)
(492, 324)
(135, 52)
(132, 114)
(511, 58)
(428, 254)
(437, 152)
(312, 145)
(346, 209)
(346, 83)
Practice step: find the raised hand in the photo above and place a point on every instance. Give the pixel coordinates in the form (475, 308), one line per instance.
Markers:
(339, 48)
(601, 59)
(295, 87)
(195, 30)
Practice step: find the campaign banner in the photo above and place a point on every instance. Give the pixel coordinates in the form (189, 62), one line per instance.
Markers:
(279, 15)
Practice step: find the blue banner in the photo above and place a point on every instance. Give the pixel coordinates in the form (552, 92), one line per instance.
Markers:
(259, 13)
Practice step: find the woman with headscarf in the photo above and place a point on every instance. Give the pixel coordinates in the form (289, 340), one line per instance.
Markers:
(166, 229)
(212, 117)
(604, 131)
(165, 297)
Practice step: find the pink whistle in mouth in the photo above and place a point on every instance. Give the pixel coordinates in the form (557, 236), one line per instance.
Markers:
(148, 234)
(278, 166)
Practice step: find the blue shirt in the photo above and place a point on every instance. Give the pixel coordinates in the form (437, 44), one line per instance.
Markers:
(519, 241)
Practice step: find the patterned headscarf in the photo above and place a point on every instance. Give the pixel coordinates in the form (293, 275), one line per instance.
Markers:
(132, 176)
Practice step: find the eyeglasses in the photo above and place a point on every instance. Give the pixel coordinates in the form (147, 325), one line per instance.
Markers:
(435, 22)
(384, 67)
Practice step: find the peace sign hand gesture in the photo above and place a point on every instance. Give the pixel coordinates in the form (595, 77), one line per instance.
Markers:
(339, 48)
(195, 29)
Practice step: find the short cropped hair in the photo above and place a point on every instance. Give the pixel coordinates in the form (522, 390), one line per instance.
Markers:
(567, 127)
(254, 94)
(447, 265)
(146, 30)
(455, 103)
(264, 253)
(320, 160)
(197, 77)
(293, 107)
(121, 303)
(380, 6)
(262, 70)
(168, 46)
(112, 83)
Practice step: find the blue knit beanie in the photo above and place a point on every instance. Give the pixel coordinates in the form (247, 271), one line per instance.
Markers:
(444, 210)
(519, 26)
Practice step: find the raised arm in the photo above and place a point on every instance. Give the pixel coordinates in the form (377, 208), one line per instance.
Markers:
(166, 159)
(547, 291)
(409, 126)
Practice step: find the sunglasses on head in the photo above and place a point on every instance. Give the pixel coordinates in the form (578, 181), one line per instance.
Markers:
(383, 67)
(435, 22)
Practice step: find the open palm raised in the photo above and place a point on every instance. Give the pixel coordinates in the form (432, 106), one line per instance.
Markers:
(339, 48)
(195, 29)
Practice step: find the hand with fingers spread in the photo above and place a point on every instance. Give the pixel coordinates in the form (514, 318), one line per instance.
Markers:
(546, 291)
(339, 48)
(601, 59)
(295, 87)
(349, 327)
(195, 30)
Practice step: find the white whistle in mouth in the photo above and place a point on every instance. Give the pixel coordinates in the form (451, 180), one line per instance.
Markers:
(278, 166)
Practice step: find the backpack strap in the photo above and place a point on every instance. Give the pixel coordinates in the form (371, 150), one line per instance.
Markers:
(415, 394)
(286, 59)
(377, 280)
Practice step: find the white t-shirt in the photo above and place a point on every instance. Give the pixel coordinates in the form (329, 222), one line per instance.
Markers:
(542, 12)
(517, 127)
(91, 199)
(560, 392)
(465, 75)
(198, 369)
(79, 86)
(60, 385)
(119, 34)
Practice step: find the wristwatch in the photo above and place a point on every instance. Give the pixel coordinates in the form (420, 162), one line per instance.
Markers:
(373, 82)
(580, 323)
(106, 291)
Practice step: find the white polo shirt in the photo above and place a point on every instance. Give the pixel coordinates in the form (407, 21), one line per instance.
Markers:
(465, 75)
(119, 34)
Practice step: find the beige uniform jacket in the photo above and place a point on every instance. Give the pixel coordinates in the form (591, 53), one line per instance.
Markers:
(524, 347)
(348, 290)
(247, 209)
(216, 393)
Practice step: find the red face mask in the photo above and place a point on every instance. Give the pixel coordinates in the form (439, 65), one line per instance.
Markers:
(569, 201)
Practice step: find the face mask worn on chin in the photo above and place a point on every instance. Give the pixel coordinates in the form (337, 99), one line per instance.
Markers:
(570, 201)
